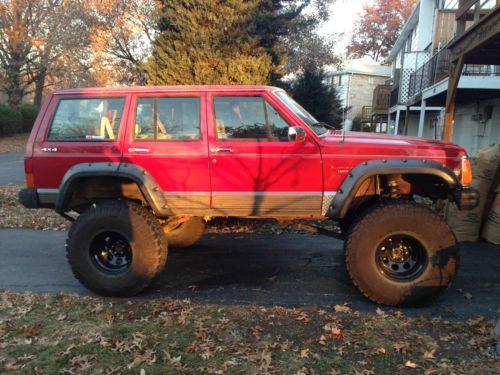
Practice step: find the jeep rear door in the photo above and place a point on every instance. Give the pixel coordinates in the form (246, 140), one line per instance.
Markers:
(77, 128)
(167, 137)
(255, 169)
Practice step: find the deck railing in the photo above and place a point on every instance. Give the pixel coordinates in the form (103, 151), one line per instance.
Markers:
(437, 68)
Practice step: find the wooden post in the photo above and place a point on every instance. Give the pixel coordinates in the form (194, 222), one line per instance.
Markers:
(449, 119)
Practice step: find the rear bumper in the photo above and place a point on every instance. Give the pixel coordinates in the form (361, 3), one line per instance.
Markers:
(38, 198)
(466, 198)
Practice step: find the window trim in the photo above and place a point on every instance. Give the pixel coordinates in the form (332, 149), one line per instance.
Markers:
(155, 120)
(78, 97)
(266, 119)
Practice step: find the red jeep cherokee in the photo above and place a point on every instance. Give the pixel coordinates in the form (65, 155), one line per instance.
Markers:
(144, 167)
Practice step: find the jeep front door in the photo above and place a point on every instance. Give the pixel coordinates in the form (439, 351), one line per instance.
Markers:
(257, 166)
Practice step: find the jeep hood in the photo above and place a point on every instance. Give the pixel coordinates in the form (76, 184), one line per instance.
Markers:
(370, 144)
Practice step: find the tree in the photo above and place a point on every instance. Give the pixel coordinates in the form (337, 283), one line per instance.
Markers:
(309, 48)
(61, 37)
(19, 20)
(226, 42)
(319, 98)
(37, 40)
(122, 33)
(380, 24)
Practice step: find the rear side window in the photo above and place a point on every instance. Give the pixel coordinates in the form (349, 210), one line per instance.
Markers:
(248, 117)
(168, 119)
(96, 119)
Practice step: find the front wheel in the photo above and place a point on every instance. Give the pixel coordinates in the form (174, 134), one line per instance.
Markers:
(401, 253)
(116, 248)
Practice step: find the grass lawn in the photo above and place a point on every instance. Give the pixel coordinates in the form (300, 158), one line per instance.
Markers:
(50, 334)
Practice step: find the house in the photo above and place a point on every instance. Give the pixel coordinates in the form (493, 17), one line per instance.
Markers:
(356, 82)
(431, 46)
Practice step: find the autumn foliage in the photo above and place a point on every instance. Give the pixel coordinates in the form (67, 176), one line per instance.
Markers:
(378, 28)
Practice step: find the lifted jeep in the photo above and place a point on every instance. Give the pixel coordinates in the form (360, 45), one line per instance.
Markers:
(139, 168)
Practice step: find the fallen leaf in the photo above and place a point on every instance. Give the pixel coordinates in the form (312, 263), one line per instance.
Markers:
(410, 364)
(380, 312)
(11, 365)
(304, 353)
(401, 346)
(322, 340)
(61, 317)
(336, 331)
(429, 354)
(342, 309)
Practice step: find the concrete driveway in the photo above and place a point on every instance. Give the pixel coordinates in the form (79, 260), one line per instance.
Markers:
(290, 270)
(11, 168)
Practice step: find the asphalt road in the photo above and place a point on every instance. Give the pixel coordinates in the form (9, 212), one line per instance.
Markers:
(11, 168)
(290, 270)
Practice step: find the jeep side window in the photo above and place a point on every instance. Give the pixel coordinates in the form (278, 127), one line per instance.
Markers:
(86, 120)
(165, 119)
(248, 117)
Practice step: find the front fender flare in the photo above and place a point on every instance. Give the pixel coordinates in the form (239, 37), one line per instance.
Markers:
(344, 196)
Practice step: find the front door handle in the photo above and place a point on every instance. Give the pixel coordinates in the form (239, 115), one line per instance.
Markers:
(138, 150)
(228, 150)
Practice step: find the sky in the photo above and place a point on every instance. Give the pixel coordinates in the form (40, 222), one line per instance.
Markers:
(343, 14)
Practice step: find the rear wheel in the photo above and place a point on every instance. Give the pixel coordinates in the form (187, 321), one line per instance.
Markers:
(181, 234)
(116, 248)
(401, 253)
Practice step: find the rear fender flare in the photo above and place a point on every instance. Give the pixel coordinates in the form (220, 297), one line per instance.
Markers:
(147, 184)
(344, 196)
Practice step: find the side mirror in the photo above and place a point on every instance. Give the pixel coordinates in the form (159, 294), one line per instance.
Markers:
(296, 134)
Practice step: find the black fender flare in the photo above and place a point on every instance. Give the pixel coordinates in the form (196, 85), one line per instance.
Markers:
(147, 184)
(345, 194)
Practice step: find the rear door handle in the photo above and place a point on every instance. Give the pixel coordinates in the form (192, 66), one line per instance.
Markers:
(228, 150)
(138, 150)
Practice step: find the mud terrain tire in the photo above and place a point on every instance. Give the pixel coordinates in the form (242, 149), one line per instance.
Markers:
(186, 234)
(400, 253)
(116, 248)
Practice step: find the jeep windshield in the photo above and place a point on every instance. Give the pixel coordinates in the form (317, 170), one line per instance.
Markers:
(318, 127)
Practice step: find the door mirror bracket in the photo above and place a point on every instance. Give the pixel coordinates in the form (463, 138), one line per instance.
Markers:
(296, 134)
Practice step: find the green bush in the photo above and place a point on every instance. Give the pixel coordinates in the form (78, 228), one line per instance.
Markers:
(11, 120)
(29, 113)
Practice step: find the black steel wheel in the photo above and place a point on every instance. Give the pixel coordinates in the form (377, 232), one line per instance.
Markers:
(111, 252)
(401, 257)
